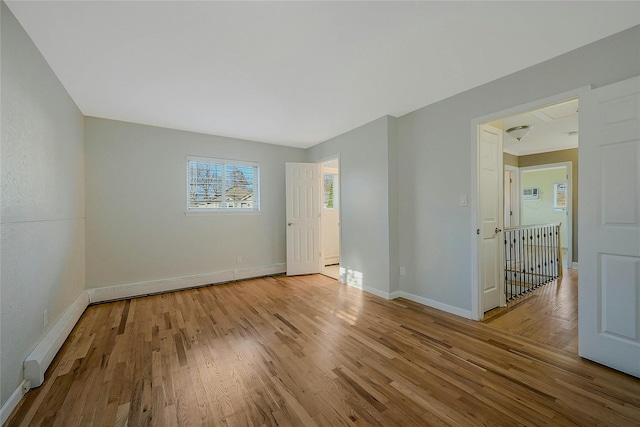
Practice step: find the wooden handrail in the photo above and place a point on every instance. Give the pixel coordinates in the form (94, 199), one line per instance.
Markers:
(526, 227)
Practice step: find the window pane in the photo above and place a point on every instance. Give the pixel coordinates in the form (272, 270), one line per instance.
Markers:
(329, 191)
(218, 185)
(205, 184)
(240, 186)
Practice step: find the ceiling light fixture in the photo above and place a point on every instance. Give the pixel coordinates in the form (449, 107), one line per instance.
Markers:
(519, 132)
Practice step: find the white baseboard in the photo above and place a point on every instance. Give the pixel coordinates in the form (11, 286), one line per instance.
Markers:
(396, 294)
(434, 304)
(131, 290)
(251, 272)
(13, 401)
(356, 284)
(415, 298)
(39, 359)
(574, 265)
(376, 292)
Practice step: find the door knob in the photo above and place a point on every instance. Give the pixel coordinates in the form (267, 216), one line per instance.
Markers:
(290, 224)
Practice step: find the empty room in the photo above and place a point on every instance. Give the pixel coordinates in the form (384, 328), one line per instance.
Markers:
(319, 213)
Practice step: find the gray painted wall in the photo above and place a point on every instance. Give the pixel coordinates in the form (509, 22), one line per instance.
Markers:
(400, 181)
(434, 161)
(42, 203)
(364, 201)
(137, 229)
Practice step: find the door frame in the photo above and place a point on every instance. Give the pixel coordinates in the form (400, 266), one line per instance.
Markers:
(321, 162)
(476, 292)
(515, 193)
(569, 221)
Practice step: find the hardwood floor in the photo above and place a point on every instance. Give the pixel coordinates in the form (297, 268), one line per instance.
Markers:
(309, 351)
(548, 314)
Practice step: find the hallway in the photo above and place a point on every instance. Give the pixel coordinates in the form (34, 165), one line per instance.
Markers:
(548, 314)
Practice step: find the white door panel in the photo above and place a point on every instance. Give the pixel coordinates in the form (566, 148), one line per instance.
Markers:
(491, 191)
(303, 218)
(609, 228)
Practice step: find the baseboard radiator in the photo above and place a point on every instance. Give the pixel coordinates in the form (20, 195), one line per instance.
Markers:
(533, 257)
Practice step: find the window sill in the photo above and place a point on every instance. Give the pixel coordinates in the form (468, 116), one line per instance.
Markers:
(221, 212)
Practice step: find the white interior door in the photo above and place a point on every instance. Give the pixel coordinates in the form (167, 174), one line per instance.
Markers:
(490, 186)
(609, 227)
(303, 218)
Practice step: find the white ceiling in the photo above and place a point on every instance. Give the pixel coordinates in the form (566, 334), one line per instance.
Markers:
(296, 73)
(554, 128)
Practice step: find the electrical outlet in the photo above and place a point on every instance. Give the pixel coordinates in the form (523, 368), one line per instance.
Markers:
(45, 318)
(402, 270)
(239, 260)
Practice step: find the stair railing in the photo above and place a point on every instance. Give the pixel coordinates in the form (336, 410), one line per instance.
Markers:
(532, 256)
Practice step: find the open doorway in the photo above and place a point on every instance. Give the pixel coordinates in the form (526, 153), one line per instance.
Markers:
(543, 165)
(538, 168)
(550, 143)
(330, 219)
(553, 203)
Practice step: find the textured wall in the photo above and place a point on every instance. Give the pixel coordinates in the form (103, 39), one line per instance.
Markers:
(42, 203)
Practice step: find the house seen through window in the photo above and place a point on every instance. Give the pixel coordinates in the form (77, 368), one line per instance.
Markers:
(222, 185)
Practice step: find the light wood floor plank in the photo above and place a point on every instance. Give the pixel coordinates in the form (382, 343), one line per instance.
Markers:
(310, 351)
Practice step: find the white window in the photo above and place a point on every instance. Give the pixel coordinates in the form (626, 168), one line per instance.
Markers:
(560, 195)
(222, 185)
(330, 181)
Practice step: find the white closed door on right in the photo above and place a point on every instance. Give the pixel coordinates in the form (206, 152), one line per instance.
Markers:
(609, 226)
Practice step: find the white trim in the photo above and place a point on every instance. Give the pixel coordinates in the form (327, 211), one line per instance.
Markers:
(220, 211)
(233, 162)
(132, 290)
(433, 304)
(357, 285)
(224, 163)
(251, 272)
(40, 357)
(574, 265)
(476, 303)
(13, 400)
(515, 201)
(376, 292)
(324, 261)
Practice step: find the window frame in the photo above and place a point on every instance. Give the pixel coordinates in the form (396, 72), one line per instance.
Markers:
(560, 187)
(224, 163)
(335, 190)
